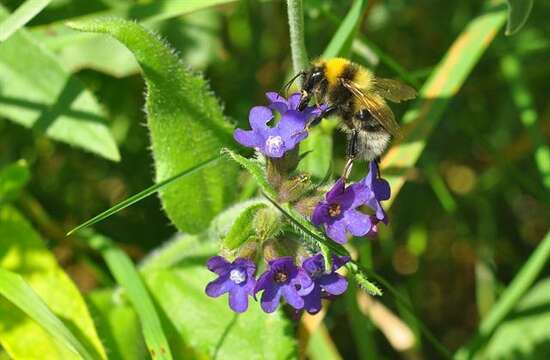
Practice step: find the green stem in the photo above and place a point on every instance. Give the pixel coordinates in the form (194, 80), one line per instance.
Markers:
(297, 43)
(507, 302)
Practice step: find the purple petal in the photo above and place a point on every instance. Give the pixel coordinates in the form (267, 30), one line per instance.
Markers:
(252, 139)
(279, 106)
(238, 300)
(259, 116)
(219, 286)
(377, 207)
(357, 223)
(218, 265)
(312, 301)
(314, 264)
(361, 194)
(292, 128)
(291, 296)
(294, 101)
(320, 214)
(272, 96)
(304, 281)
(382, 190)
(270, 299)
(334, 284)
(264, 281)
(337, 231)
(337, 189)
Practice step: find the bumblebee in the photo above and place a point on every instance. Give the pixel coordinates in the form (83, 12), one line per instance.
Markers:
(359, 98)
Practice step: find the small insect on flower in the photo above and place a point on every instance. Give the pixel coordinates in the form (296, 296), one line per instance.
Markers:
(274, 141)
(325, 284)
(236, 278)
(283, 279)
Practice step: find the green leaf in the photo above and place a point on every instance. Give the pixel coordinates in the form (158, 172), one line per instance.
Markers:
(21, 296)
(442, 85)
(518, 13)
(22, 251)
(22, 15)
(524, 335)
(206, 328)
(127, 276)
(340, 44)
(142, 195)
(186, 123)
(12, 179)
(255, 169)
(243, 229)
(118, 325)
(36, 92)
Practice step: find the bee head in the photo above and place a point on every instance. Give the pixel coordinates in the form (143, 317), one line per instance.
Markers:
(312, 79)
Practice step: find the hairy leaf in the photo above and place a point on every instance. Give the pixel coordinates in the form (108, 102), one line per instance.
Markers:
(242, 228)
(22, 251)
(186, 123)
(255, 169)
(36, 92)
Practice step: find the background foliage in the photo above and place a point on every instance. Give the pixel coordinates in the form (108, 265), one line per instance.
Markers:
(471, 177)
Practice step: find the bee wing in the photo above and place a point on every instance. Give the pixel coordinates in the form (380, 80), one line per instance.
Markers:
(376, 106)
(393, 90)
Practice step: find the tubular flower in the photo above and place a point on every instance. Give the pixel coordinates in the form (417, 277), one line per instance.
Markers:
(236, 278)
(380, 191)
(325, 284)
(284, 135)
(283, 279)
(338, 212)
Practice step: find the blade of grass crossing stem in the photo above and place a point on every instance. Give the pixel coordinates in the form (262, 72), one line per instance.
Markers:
(340, 44)
(22, 15)
(142, 195)
(20, 294)
(436, 94)
(127, 276)
(509, 298)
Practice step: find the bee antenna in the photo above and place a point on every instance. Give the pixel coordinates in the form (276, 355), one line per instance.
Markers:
(290, 82)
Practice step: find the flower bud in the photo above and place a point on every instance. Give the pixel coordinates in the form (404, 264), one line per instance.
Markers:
(266, 223)
(293, 189)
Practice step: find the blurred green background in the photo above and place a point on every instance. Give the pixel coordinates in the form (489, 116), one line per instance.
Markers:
(471, 212)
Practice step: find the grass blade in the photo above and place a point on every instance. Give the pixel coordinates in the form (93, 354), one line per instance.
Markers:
(340, 44)
(509, 298)
(142, 195)
(518, 13)
(20, 294)
(22, 15)
(128, 277)
(438, 91)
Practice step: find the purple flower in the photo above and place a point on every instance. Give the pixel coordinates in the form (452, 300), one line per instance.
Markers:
(338, 212)
(380, 190)
(289, 131)
(236, 278)
(283, 279)
(325, 284)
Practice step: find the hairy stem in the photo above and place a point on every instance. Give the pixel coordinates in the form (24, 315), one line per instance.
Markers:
(297, 43)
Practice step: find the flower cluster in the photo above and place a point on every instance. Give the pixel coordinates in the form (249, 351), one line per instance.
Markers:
(302, 287)
(294, 274)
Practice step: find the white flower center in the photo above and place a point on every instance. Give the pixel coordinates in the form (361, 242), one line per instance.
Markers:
(274, 143)
(237, 276)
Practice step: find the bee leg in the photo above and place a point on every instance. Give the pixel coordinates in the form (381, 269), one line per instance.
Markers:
(351, 153)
